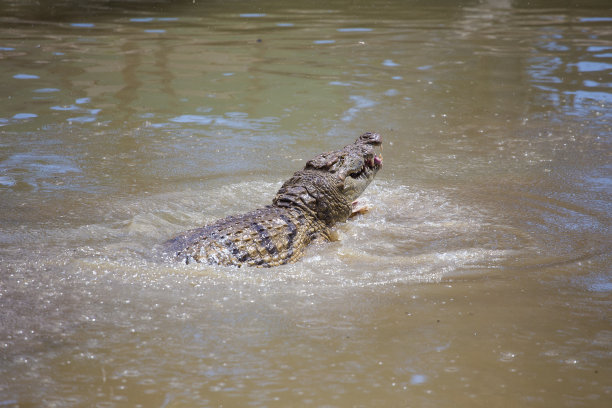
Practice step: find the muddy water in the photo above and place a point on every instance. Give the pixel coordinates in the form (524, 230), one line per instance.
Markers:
(481, 276)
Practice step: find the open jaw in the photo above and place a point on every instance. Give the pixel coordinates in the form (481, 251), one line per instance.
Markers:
(375, 162)
(370, 167)
(372, 161)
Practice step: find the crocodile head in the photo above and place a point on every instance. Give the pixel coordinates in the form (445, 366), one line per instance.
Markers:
(327, 186)
(352, 167)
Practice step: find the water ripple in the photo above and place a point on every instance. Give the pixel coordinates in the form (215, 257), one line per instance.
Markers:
(360, 103)
(25, 76)
(231, 120)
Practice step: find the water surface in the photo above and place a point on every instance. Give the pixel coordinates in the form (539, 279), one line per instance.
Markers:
(481, 276)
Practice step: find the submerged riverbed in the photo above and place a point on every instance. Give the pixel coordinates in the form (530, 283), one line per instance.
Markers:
(482, 276)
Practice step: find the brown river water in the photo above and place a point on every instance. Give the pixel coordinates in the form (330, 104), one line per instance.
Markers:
(481, 277)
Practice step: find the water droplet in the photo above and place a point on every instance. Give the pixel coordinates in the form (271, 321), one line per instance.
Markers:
(507, 356)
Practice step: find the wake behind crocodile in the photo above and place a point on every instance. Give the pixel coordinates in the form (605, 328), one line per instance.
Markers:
(410, 234)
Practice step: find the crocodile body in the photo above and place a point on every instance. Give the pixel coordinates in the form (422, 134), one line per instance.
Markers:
(305, 208)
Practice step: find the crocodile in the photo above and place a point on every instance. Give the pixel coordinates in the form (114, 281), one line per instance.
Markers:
(305, 209)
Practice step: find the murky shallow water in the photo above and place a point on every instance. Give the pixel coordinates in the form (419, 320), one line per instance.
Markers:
(481, 276)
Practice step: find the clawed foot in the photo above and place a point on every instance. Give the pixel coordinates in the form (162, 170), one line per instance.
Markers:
(359, 208)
